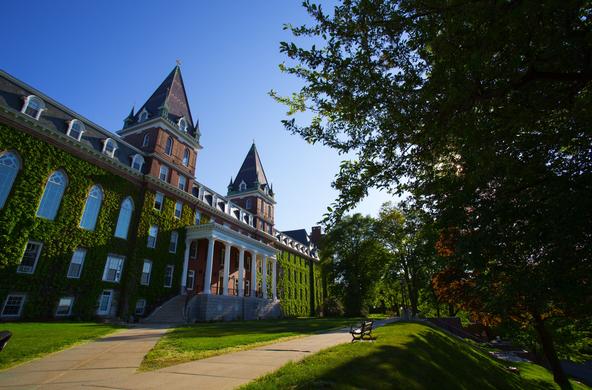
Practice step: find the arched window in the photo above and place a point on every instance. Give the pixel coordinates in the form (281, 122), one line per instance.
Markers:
(33, 106)
(186, 157)
(146, 141)
(182, 125)
(168, 149)
(92, 208)
(125, 217)
(109, 147)
(52, 195)
(10, 164)
(75, 129)
(143, 116)
(242, 186)
(137, 162)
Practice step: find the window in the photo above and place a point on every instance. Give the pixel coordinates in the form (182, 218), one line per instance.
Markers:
(137, 162)
(168, 148)
(168, 275)
(158, 201)
(269, 210)
(124, 219)
(76, 263)
(113, 268)
(92, 208)
(152, 234)
(146, 141)
(52, 195)
(182, 125)
(75, 129)
(190, 279)
(109, 147)
(10, 164)
(247, 287)
(143, 116)
(65, 306)
(105, 302)
(164, 173)
(178, 209)
(173, 242)
(146, 270)
(182, 182)
(13, 305)
(242, 186)
(249, 204)
(33, 107)
(30, 258)
(186, 155)
(140, 307)
(197, 217)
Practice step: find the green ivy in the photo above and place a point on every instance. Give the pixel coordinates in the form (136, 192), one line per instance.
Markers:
(296, 293)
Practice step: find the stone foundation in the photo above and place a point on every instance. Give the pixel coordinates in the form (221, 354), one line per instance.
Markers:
(211, 307)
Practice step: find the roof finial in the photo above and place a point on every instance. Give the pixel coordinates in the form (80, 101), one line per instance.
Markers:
(178, 61)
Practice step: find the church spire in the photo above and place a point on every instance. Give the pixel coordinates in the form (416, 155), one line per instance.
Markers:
(251, 173)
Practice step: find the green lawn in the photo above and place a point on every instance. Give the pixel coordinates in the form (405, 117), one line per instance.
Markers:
(199, 341)
(405, 356)
(34, 339)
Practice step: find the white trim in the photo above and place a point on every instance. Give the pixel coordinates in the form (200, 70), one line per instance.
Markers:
(143, 115)
(165, 125)
(147, 283)
(69, 313)
(24, 298)
(183, 128)
(105, 312)
(136, 157)
(71, 124)
(26, 105)
(18, 270)
(172, 268)
(105, 142)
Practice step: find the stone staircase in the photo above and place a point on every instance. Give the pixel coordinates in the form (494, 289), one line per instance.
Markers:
(170, 312)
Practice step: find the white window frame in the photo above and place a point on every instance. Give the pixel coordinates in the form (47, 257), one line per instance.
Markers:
(23, 300)
(106, 142)
(69, 313)
(78, 250)
(110, 302)
(186, 157)
(149, 243)
(242, 186)
(183, 125)
(20, 270)
(118, 270)
(101, 195)
(131, 201)
(63, 190)
(26, 105)
(173, 243)
(179, 209)
(71, 125)
(172, 268)
(146, 140)
(197, 218)
(137, 158)
(156, 196)
(164, 170)
(143, 306)
(143, 117)
(190, 276)
(13, 165)
(182, 187)
(149, 273)
(166, 146)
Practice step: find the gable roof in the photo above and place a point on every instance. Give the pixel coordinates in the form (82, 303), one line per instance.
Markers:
(250, 172)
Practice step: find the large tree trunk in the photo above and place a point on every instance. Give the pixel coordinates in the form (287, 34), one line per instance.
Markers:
(550, 353)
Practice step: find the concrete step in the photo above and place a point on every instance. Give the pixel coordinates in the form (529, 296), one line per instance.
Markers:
(170, 312)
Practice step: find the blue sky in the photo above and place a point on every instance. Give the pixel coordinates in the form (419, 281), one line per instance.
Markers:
(101, 57)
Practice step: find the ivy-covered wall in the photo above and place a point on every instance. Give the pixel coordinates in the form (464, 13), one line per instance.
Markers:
(62, 236)
(297, 285)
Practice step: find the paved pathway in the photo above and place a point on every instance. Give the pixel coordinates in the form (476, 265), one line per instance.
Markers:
(111, 363)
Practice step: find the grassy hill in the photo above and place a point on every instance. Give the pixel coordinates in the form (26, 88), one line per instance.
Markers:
(406, 356)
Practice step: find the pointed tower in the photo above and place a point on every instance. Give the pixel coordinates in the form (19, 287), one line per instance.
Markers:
(163, 127)
(251, 190)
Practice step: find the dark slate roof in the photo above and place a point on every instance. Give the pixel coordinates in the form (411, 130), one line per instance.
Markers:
(299, 235)
(57, 117)
(250, 172)
(171, 96)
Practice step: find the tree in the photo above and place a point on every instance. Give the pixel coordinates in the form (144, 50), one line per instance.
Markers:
(356, 262)
(481, 110)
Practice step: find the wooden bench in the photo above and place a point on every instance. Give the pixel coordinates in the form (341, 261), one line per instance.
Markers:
(364, 330)
(5, 335)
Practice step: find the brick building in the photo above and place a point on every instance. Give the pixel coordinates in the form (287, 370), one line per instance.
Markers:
(94, 224)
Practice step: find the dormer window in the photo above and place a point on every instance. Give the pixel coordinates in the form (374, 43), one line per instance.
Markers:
(242, 186)
(143, 116)
(33, 107)
(109, 147)
(75, 129)
(137, 162)
(183, 125)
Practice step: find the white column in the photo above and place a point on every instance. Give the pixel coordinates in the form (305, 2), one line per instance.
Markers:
(226, 266)
(264, 274)
(241, 272)
(253, 274)
(185, 267)
(273, 279)
(209, 261)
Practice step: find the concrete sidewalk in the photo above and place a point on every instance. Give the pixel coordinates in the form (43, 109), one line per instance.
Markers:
(115, 367)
